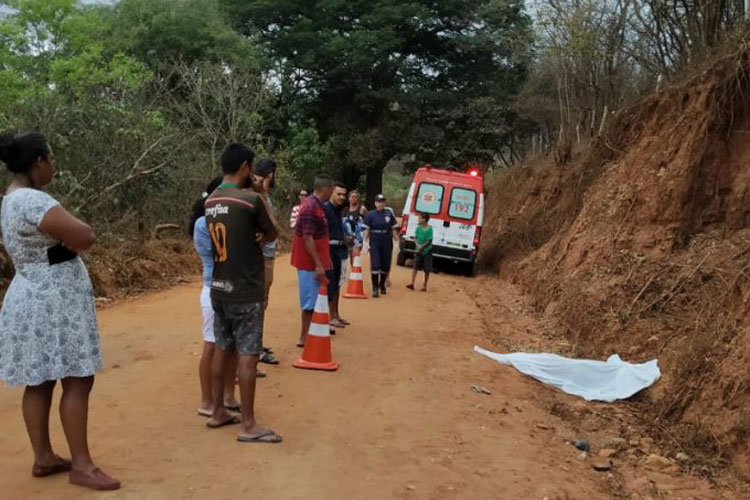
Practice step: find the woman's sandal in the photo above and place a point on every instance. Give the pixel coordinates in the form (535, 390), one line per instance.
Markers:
(94, 479)
(48, 470)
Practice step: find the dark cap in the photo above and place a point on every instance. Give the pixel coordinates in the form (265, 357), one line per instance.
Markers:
(380, 197)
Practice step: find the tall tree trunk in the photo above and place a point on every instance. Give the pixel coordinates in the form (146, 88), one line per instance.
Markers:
(374, 184)
(350, 175)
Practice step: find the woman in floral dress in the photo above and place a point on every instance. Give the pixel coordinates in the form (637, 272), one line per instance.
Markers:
(48, 329)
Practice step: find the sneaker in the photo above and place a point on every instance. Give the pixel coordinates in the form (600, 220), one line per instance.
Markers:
(383, 291)
(375, 293)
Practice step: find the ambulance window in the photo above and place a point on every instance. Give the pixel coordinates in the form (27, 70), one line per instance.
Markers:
(463, 202)
(429, 198)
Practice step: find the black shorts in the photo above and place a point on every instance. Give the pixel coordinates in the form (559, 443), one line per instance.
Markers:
(423, 263)
(239, 324)
(334, 274)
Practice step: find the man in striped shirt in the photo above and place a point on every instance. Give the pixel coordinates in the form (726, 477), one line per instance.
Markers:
(311, 253)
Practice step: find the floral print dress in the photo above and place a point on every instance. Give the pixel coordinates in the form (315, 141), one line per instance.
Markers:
(48, 328)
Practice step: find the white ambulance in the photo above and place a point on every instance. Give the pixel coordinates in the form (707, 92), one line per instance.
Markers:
(455, 203)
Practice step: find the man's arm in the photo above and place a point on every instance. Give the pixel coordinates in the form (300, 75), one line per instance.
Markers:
(266, 223)
(312, 251)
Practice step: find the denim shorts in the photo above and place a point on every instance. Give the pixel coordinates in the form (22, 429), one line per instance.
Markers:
(308, 289)
(239, 324)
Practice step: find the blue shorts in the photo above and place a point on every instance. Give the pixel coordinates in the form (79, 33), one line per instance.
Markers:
(308, 289)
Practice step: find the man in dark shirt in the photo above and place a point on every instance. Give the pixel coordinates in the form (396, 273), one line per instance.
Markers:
(239, 224)
(339, 251)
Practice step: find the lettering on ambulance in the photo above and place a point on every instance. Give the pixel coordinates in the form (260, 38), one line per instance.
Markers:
(462, 203)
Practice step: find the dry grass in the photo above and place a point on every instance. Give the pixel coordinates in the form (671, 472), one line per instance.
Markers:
(641, 245)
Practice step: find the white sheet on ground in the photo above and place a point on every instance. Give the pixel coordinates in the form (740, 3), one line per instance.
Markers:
(592, 380)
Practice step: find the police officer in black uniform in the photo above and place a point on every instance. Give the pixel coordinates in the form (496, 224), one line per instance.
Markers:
(380, 226)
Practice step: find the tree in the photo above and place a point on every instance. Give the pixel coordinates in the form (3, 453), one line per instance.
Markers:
(161, 32)
(384, 78)
(97, 107)
(220, 104)
(596, 55)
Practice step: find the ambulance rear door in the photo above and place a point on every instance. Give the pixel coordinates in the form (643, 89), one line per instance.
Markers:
(429, 199)
(460, 227)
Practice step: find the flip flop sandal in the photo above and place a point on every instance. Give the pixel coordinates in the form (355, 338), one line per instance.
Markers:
(204, 413)
(49, 470)
(268, 349)
(300, 345)
(260, 374)
(231, 421)
(345, 322)
(236, 408)
(268, 358)
(337, 324)
(261, 438)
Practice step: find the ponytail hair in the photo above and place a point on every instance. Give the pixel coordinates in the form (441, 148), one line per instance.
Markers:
(199, 207)
(19, 152)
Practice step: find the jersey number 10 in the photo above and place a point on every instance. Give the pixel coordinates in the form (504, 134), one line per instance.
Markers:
(219, 237)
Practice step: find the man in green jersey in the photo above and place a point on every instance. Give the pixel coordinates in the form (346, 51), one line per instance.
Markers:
(239, 224)
(423, 252)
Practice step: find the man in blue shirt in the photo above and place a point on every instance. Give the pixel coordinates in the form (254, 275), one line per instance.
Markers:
(339, 251)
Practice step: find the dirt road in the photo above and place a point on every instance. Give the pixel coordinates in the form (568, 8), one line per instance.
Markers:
(398, 420)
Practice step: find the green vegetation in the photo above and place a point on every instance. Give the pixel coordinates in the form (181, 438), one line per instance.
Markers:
(138, 98)
(395, 189)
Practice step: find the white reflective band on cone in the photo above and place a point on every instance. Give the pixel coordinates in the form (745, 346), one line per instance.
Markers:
(321, 305)
(355, 276)
(318, 330)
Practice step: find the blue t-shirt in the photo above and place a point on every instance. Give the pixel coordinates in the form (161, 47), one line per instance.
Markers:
(335, 222)
(381, 226)
(202, 241)
(336, 230)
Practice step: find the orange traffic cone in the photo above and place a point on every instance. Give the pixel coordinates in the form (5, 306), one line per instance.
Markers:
(356, 287)
(317, 353)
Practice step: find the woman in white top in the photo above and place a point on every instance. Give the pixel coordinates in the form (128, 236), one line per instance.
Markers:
(48, 328)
